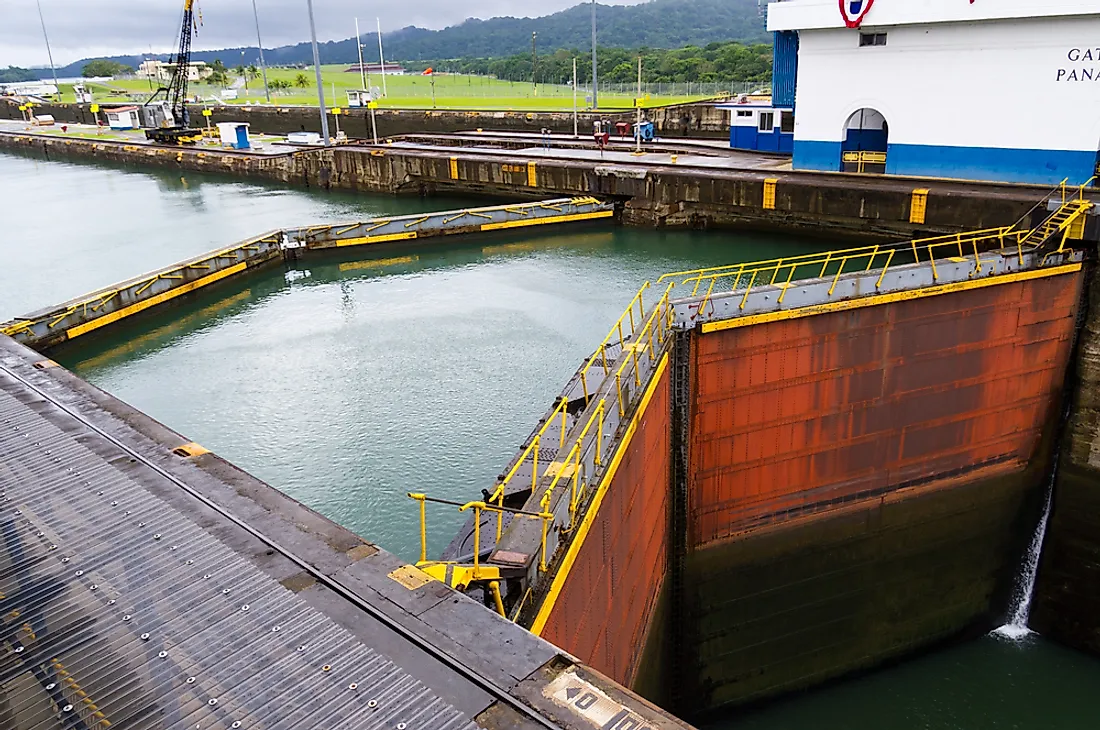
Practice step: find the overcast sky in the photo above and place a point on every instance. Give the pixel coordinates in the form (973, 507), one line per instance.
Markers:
(82, 28)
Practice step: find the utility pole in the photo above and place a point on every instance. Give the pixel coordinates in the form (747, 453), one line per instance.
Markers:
(575, 126)
(317, 69)
(260, 43)
(359, 47)
(381, 58)
(638, 115)
(595, 81)
(534, 62)
(53, 69)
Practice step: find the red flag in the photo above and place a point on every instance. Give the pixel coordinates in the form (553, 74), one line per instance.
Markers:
(427, 71)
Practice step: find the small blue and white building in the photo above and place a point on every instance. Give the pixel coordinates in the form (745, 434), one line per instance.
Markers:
(1005, 90)
(761, 127)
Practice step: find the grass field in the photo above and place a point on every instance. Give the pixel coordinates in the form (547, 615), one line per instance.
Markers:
(402, 92)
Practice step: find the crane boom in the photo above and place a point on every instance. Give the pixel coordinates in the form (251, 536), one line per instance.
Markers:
(172, 125)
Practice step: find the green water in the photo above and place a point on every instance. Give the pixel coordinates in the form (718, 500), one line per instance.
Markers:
(347, 382)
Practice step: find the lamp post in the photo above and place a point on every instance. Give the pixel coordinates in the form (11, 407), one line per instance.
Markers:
(359, 47)
(53, 69)
(381, 58)
(317, 69)
(575, 125)
(534, 62)
(260, 44)
(595, 91)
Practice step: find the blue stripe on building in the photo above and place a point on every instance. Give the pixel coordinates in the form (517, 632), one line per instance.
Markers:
(1046, 167)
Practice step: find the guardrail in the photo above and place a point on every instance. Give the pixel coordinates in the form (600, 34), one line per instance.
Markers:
(76, 317)
(449, 222)
(85, 314)
(560, 485)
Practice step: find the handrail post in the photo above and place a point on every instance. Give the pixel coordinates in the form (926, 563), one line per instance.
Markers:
(619, 391)
(600, 410)
(564, 413)
(477, 537)
(535, 465)
(546, 517)
(421, 498)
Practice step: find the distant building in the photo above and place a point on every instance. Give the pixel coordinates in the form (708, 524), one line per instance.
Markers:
(390, 69)
(1004, 90)
(123, 117)
(161, 71)
(28, 88)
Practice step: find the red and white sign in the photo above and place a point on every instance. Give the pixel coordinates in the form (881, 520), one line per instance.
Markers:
(853, 11)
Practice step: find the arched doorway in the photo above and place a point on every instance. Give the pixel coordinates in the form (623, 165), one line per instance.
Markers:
(866, 136)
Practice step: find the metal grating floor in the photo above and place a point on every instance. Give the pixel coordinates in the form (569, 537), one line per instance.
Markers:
(117, 610)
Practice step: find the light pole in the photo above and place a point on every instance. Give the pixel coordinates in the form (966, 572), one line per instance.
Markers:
(575, 127)
(49, 53)
(381, 58)
(595, 91)
(317, 69)
(260, 43)
(534, 63)
(359, 47)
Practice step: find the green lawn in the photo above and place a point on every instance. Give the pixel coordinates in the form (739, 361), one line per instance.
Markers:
(402, 92)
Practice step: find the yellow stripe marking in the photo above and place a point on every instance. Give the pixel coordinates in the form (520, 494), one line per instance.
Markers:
(378, 263)
(377, 239)
(532, 175)
(874, 301)
(562, 575)
(544, 221)
(141, 306)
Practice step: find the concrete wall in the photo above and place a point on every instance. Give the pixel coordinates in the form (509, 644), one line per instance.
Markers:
(607, 607)
(355, 122)
(658, 196)
(861, 481)
(1067, 596)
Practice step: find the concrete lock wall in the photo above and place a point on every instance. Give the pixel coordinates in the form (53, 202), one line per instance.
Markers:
(609, 607)
(1067, 594)
(861, 481)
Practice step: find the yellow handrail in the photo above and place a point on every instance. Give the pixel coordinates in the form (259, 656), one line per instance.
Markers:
(616, 329)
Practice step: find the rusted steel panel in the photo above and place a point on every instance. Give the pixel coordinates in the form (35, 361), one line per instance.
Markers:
(792, 416)
(603, 612)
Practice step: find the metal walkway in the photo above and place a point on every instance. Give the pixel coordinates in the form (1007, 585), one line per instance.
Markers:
(146, 583)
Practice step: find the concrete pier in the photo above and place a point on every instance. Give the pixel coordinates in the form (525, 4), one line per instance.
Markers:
(659, 195)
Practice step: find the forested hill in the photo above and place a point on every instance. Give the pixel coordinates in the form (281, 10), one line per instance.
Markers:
(655, 24)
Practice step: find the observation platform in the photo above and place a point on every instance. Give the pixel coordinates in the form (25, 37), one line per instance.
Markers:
(147, 583)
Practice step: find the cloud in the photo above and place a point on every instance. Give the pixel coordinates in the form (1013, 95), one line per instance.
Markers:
(82, 28)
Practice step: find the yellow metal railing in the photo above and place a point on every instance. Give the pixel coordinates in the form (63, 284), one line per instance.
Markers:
(651, 336)
(638, 334)
(782, 272)
(459, 575)
(622, 331)
(1067, 190)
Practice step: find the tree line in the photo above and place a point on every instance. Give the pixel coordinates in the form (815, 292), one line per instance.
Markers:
(715, 62)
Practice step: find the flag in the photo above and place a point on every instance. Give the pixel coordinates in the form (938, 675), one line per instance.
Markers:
(427, 71)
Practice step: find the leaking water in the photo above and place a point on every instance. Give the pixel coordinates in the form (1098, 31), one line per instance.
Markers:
(1017, 627)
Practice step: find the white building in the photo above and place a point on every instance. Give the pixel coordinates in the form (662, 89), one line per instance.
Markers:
(981, 89)
(161, 71)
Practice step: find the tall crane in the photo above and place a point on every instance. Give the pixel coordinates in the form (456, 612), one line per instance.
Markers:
(167, 120)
